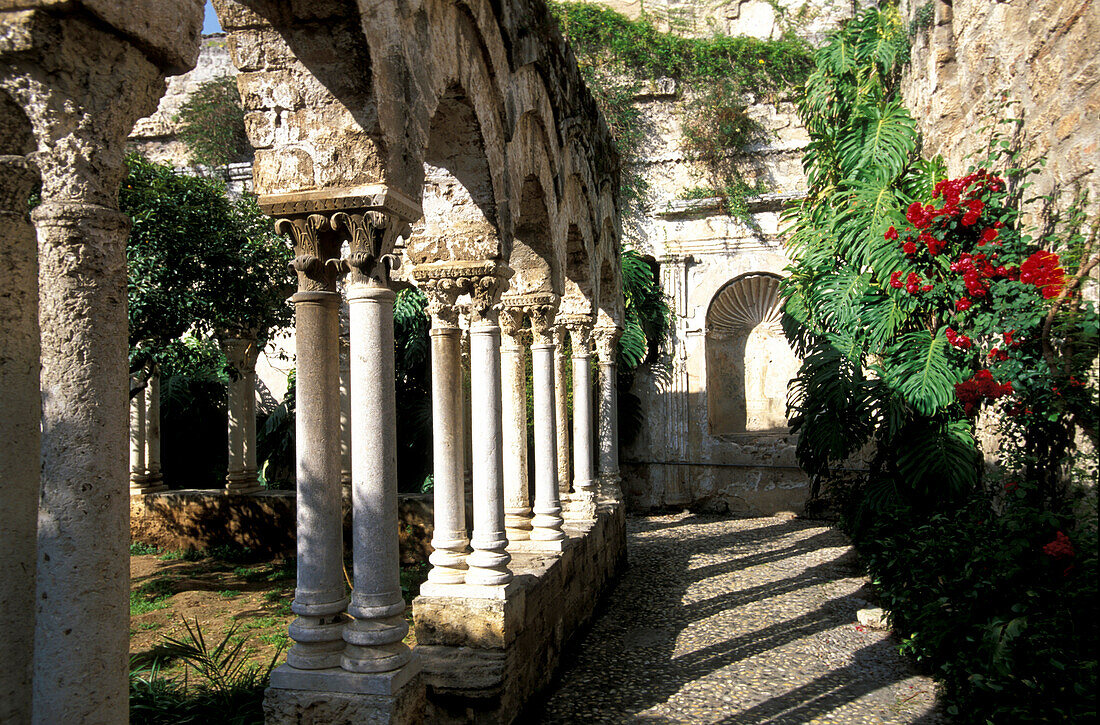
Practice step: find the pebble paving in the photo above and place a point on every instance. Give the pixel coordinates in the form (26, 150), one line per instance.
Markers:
(724, 620)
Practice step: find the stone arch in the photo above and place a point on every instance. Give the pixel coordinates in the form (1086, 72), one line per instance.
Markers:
(536, 266)
(609, 293)
(748, 360)
(578, 248)
(459, 195)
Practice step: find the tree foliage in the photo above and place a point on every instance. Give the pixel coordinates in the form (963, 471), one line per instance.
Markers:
(199, 262)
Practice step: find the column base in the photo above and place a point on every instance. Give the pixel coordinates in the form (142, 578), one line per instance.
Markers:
(610, 490)
(244, 482)
(146, 483)
(581, 506)
(327, 696)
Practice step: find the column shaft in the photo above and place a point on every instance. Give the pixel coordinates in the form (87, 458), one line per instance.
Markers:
(154, 475)
(374, 636)
(319, 598)
(584, 483)
(561, 414)
(241, 354)
(513, 373)
(547, 520)
(488, 564)
(606, 339)
(82, 627)
(20, 430)
(345, 412)
(449, 539)
(137, 441)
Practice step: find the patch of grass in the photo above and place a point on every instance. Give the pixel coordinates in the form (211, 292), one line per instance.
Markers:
(140, 548)
(150, 596)
(229, 594)
(183, 555)
(278, 639)
(261, 623)
(149, 626)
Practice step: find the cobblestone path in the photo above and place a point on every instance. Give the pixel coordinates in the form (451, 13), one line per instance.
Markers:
(722, 620)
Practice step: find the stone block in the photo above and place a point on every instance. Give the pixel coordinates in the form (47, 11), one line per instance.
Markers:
(308, 707)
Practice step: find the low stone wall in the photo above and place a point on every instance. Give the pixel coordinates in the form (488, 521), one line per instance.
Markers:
(745, 490)
(484, 658)
(263, 522)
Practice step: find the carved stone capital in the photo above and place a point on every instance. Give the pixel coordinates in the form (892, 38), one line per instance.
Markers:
(540, 308)
(606, 338)
(511, 321)
(483, 281)
(369, 218)
(580, 332)
(240, 352)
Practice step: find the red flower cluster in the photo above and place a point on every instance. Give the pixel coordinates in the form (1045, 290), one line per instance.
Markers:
(977, 267)
(1042, 270)
(981, 386)
(912, 283)
(961, 341)
(1060, 548)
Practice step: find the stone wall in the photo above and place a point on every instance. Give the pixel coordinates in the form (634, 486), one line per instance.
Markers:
(484, 658)
(263, 522)
(680, 458)
(1040, 58)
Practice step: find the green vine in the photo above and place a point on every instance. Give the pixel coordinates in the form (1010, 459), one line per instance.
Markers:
(717, 74)
(212, 124)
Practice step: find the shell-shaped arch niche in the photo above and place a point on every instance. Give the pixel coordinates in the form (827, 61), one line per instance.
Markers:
(749, 362)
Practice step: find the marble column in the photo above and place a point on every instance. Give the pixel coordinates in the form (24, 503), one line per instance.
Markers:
(154, 477)
(137, 437)
(345, 413)
(561, 413)
(547, 521)
(607, 337)
(374, 635)
(20, 423)
(488, 564)
(319, 597)
(513, 374)
(450, 543)
(241, 353)
(583, 502)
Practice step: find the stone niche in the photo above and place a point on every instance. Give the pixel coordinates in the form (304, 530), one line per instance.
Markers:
(484, 656)
(748, 360)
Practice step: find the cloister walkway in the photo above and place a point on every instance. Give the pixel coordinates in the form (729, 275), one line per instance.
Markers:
(724, 620)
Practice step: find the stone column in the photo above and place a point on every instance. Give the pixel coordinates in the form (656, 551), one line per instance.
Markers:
(561, 413)
(241, 353)
(488, 564)
(82, 85)
(607, 337)
(137, 437)
(20, 423)
(547, 521)
(513, 374)
(154, 477)
(345, 413)
(450, 543)
(319, 598)
(374, 635)
(582, 504)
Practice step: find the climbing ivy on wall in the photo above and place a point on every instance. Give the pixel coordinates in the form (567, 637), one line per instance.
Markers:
(718, 75)
(212, 124)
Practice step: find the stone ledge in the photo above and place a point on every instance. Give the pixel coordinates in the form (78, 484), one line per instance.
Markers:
(484, 658)
(285, 677)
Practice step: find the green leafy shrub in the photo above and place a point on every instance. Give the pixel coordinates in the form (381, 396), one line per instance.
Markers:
(1008, 628)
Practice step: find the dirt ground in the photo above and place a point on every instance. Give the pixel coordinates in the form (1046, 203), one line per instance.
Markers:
(219, 590)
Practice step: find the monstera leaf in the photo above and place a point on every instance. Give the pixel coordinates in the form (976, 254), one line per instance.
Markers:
(918, 367)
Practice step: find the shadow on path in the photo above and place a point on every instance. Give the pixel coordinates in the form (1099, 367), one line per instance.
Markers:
(722, 620)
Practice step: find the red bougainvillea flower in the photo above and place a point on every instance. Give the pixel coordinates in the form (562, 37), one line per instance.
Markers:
(963, 304)
(1042, 270)
(909, 248)
(981, 386)
(891, 233)
(1009, 340)
(988, 235)
(969, 219)
(1011, 486)
(959, 341)
(895, 280)
(1060, 547)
